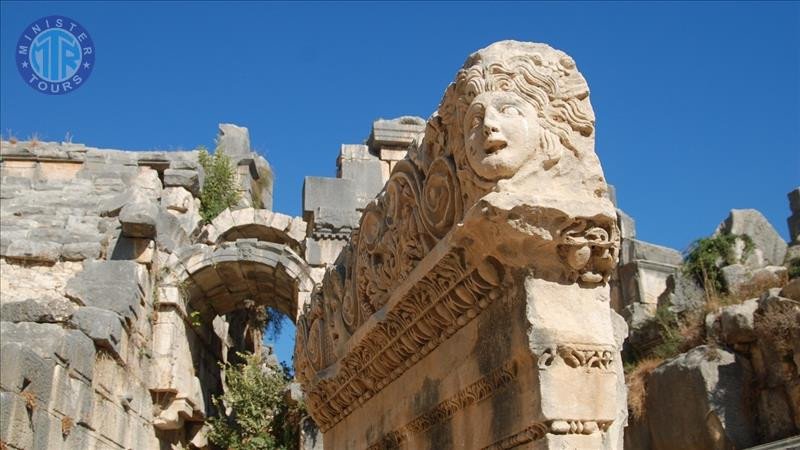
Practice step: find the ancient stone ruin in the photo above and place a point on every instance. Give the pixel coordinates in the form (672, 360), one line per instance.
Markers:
(471, 307)
(464, 282)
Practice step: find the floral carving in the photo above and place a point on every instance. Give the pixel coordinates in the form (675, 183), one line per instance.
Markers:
(504, 180)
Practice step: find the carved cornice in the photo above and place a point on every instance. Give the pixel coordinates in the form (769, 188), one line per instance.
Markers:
(474, 393)
(539, 430)
(440, 303)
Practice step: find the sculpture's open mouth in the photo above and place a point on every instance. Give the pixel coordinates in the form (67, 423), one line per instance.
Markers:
(494, 145)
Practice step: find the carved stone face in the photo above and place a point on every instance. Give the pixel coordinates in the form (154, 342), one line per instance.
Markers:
(501, 133)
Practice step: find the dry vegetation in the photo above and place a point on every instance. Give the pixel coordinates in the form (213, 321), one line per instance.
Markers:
(636, 380)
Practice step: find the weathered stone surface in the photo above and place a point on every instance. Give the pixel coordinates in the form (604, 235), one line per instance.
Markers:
(111, 206)
(739, 277)
(737, 322)
(49, 310)
(187, 179)
(234, 141)
(15, 427)
(48, 341)
(357, 164)
(44, 252)
(443, 251)
(633, 250)
(177, 199)
(148, 182)
(396, 133)
(104, 327)
(80, 251)
(754, 224)
(736, 276)
(683, 293)
(139, 219)
(697, 400)
(327, 193)
(111, 285)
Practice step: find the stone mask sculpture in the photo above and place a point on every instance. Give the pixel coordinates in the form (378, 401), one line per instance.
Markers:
(496, 233)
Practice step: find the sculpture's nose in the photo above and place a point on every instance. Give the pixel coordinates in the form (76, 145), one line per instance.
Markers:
(490, 126)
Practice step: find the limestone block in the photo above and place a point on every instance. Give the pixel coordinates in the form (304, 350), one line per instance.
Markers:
(139, 219)
(147, 180)
(367, 176)
(43, 252)
(633, 250)
(71, 347)
(393, 155)
(328, 193)
(43, 310)
(111, 285)
(71, 397)
(323, 251)
(399, 132)
(80, 251)
(683, 293)
(111, 205)
(10, 235)
(171, 231)
(61, 171)
(627, 226)
(697, 400)
(755, 225)
(177, 199)
(15, 427)
(104, 327)
(335, 219)
(188, 179)
(234, 141)
(24, 369)
(737, 323)
(244, 216)
(738, 277)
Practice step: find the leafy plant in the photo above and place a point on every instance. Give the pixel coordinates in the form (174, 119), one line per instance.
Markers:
(195, 319)
(794, 268)
(219, 188)
(253, 411)
(707, 255)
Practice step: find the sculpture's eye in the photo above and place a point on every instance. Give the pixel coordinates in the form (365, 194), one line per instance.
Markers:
(511, 110)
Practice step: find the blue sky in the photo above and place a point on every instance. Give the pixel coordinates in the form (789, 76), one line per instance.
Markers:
(697, 104)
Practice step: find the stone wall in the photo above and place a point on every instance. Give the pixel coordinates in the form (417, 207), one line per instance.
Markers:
(333, 206)
(108, 341)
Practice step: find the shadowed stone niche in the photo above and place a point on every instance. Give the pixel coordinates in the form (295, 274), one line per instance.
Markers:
(471, 307)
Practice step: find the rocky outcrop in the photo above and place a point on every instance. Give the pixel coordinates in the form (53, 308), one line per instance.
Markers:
(742, 387)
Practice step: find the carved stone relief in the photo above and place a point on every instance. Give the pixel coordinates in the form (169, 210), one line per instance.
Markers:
(505, 181)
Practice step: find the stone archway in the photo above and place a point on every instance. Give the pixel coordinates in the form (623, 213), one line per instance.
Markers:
(261, 224)
(202, 294)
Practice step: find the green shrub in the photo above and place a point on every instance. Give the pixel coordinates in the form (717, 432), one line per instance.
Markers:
(220, 190)
(253, 414)
(707, 255)
(794, 268)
